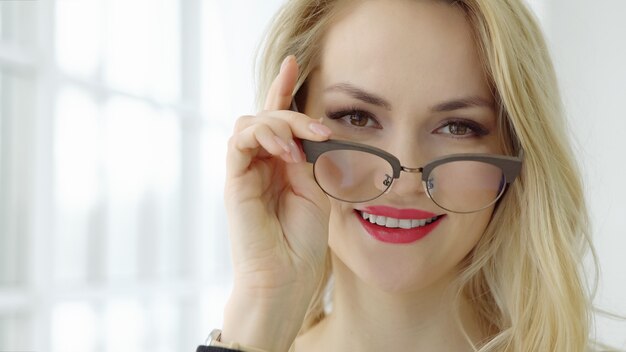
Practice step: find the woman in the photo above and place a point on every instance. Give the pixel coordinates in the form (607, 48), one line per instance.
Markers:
(471, 236)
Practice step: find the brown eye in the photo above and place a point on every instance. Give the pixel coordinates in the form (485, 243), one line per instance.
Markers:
(359, 120)
(462, 129)
(458, 129)
(355, 118)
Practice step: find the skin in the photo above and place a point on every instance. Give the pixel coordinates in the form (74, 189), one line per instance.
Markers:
(396, 297)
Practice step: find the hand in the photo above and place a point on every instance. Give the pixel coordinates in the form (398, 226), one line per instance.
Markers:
(278, 219)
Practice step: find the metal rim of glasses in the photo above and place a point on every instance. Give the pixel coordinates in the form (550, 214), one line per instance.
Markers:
(510, 166)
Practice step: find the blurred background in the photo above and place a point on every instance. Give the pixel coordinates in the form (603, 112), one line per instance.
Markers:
(114, 117)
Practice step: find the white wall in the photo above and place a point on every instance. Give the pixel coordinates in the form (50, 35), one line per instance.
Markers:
(588, 42)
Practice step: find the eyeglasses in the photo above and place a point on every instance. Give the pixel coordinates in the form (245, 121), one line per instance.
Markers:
(459, 183)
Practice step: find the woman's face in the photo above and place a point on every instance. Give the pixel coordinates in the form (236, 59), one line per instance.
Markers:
(404, 76)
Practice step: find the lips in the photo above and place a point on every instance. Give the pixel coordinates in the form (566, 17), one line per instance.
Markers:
(397, 226)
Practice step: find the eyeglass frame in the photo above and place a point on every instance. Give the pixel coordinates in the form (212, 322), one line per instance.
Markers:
(510, 165)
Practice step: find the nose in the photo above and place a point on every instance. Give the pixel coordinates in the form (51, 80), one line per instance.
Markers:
(409, 183)
(410, 180)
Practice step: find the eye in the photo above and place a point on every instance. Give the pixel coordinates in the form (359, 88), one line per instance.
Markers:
(354, 117)
(462, 129)
(360, 120)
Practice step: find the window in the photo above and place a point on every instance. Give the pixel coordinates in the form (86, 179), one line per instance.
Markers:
(114, 119)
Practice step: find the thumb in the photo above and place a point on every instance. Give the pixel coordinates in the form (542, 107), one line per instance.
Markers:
(280, 94)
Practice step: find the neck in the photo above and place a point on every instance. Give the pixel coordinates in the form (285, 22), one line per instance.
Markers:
(365, 318)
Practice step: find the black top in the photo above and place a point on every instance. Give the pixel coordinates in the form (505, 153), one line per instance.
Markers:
(214, 349)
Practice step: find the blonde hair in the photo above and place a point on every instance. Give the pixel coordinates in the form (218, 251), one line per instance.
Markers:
(525, 276)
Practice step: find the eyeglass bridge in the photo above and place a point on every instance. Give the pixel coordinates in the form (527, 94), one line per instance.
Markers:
(412, 169)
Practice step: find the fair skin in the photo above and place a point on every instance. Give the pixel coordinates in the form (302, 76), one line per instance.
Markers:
(386, 296)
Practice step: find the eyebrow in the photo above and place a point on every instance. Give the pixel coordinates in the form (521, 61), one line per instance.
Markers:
(463, 103)
(360, 94)
(371, 98)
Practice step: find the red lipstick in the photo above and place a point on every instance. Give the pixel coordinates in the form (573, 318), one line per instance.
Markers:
(398, 235)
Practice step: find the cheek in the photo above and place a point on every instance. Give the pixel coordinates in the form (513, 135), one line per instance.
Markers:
(463, 232)
(339, 217)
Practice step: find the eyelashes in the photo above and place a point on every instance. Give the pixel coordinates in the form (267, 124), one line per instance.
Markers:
(360, 119)
(354, 117)
(459, 127)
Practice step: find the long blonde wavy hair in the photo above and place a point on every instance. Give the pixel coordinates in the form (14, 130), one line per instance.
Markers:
(525, 276)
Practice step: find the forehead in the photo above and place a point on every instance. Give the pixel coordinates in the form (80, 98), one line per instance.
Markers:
(420, 48)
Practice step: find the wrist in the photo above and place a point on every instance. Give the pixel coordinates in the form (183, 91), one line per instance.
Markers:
(214, 340)
(268, 323)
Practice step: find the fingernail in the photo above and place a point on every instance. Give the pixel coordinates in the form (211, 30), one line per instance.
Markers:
(286, 157)
(295, 152)
(282, 66)
(282, 144)
(320, 129)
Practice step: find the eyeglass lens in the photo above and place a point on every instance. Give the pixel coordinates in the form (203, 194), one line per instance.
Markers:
(459, 186)
(353, 176)
(465, 186)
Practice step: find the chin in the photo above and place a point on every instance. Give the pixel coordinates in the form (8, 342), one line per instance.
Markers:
(391, 274)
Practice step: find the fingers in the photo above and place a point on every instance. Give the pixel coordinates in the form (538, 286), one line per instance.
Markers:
(280, 93)
(262, 136)
(271, 133)
(285, 121)
(274, 131)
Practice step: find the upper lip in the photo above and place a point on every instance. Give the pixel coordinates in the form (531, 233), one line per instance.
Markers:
(398, 213)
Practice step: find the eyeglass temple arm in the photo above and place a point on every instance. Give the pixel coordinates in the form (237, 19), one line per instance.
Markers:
(293, 106)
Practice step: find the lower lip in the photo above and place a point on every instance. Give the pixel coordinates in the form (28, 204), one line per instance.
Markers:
(397, 235)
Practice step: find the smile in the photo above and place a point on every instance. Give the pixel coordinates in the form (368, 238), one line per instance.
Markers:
(396, 223)
(397, 226)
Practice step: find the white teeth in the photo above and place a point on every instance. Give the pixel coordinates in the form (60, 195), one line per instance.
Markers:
(396, 223)
(391, 222)
(405, 223)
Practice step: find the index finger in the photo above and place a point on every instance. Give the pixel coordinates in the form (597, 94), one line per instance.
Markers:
(280, 93)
